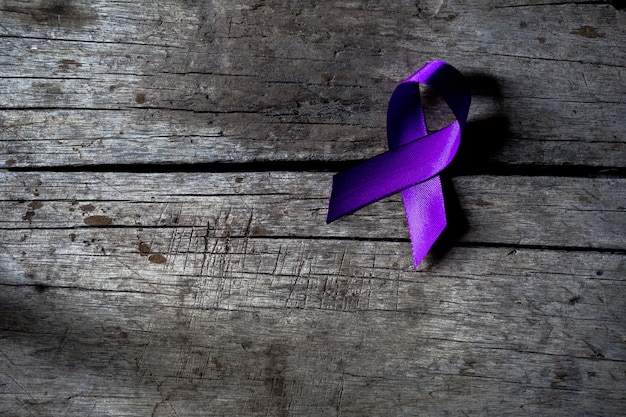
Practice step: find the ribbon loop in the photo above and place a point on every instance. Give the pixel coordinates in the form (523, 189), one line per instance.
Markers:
(414, 160)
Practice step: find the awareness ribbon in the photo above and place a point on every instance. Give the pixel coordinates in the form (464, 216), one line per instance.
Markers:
(414, 159)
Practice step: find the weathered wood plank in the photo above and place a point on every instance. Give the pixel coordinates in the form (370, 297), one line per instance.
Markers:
(314, 85)
(174, 292)
(175, 298)
(92, 137)
(282, 28)
(276, 380)
(296, 273)
(454, 333)
(204, 293)
(546, 211)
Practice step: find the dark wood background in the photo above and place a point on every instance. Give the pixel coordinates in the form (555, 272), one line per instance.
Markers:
(166, 167)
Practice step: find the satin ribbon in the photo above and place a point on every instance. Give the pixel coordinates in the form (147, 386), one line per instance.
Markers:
(414, 160)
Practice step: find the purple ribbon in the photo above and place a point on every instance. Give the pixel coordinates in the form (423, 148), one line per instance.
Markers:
(414, 160)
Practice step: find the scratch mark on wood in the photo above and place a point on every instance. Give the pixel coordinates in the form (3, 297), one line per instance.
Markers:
(92, 408)
(246, 235)
(340, 396)
(62, 342)
(188, 249)
(173, 409)
(25, 407)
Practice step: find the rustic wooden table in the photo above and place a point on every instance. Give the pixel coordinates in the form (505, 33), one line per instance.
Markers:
(165, 173)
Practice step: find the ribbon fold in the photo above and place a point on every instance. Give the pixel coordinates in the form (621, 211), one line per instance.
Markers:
(414, 160)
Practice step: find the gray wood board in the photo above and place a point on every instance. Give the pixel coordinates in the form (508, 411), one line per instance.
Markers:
(204, 294)
(188, 291)
(286, 326)
(125, 353)
(505, 210)
(97, 83)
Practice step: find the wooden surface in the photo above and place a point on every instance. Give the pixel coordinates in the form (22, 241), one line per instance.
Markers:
(165, 173)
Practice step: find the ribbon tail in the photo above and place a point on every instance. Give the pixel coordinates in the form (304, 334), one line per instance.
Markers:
(425, 215)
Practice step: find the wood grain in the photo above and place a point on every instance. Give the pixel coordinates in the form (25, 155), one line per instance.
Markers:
(187, 84)
(505, 210)
(212, 274)
(298, 327)
(164, 175)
